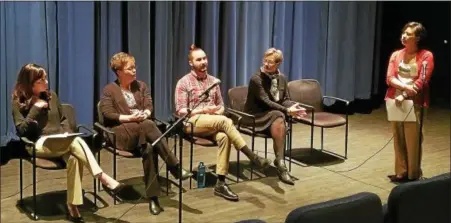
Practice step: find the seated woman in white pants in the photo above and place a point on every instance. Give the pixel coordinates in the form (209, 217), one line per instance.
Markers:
(37, 112)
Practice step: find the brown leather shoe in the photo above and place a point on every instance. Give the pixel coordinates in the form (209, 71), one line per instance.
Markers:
(397, 179)
(223, 190)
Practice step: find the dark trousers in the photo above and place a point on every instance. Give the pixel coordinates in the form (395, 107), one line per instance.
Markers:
(150, 157)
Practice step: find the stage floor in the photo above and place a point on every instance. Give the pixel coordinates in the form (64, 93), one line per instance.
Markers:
(321, 177)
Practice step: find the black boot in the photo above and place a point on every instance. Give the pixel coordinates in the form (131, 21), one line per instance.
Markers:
(154, 206)
(175, 171)
(282, 171)
(261, 162)
(223, 190)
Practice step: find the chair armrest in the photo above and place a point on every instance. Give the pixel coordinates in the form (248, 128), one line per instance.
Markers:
(176, 117)
(27, 141)
(239, 117)
(161, 121)
(239, 113)
(306, 106)
(338, 99)
(103, 128)
(90, 130)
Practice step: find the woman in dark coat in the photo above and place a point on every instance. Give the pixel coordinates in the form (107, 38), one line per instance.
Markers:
(269, 102)
(126, 106)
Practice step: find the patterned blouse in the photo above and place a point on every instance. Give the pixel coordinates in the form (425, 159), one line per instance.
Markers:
(406, 73)
(130, 99)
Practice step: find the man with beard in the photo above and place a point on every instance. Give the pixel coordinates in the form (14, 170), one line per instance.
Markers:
(208, 119)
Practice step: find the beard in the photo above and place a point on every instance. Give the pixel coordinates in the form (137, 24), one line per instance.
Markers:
(201, 68)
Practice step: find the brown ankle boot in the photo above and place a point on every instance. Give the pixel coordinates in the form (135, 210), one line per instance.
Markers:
(282, 171)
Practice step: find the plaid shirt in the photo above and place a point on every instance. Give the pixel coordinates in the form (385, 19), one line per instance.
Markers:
(190, 87)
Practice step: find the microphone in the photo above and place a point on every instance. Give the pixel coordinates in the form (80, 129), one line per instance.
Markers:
(206, 92)
(423, 76)
(44, 95)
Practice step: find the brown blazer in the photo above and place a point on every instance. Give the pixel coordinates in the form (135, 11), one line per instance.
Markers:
(113, 104)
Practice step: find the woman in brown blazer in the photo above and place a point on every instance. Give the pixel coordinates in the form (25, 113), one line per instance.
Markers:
(126, 106)
(37, 113)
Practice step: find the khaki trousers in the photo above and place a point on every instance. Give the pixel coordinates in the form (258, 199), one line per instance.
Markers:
(76, 154)
(408, 151)
(221, 129)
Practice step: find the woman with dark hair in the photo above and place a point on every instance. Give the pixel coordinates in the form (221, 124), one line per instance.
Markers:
(37, 112)
(406, 81)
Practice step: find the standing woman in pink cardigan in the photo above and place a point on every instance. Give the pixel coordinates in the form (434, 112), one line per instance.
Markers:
(407, 81)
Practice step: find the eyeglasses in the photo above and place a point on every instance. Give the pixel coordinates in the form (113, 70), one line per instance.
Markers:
(129, 68)
(269, 62)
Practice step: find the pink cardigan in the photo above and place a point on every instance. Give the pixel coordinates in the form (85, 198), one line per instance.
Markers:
(392, 72)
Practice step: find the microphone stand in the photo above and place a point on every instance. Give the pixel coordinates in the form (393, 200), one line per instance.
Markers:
(420, 138)
(169, 130)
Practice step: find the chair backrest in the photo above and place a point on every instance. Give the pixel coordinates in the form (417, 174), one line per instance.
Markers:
(69, 112)
(237, 97)
(99, 114)
(358, 208)
(421, 201)
(307, 91)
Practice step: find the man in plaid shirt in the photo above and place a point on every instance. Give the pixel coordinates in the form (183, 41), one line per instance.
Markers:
(208, 119)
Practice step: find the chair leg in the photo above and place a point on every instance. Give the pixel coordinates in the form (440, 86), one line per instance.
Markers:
(175, 145)
(95, 188)
(253, 149)
(21, 182)
(167, 180)
(167, 173)
(290, 138)
(98, 161)
(322, 138)
(266, 148)
(190, 162)
(95, 192)
(311, 138)
(35, 213)
(95, 181)
(346, 140)
(238, 167)
(114, 174)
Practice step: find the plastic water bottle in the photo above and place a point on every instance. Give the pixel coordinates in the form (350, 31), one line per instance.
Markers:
(201, 175)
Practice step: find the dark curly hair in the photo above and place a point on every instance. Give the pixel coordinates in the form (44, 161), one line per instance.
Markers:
(23, 90)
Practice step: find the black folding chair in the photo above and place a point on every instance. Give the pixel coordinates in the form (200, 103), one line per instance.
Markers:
(50, 163)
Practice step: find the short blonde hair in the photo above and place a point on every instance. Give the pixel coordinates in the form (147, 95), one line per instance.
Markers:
(119, 60)
(276, 54)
